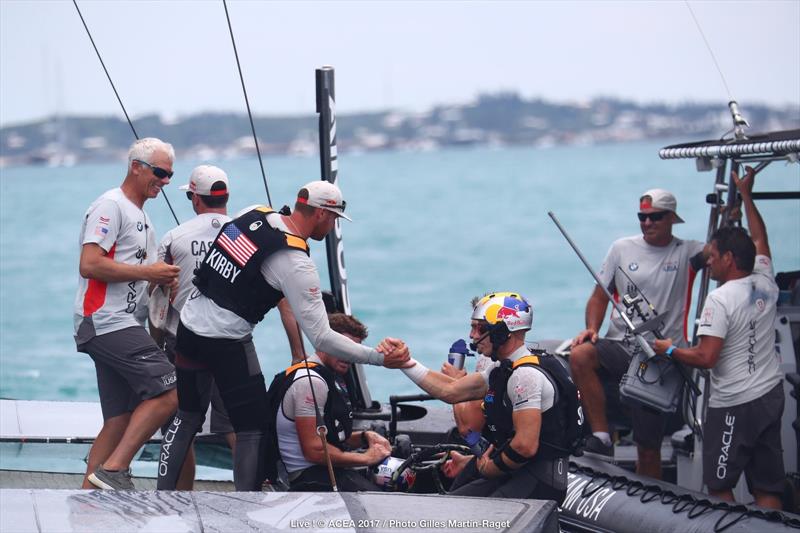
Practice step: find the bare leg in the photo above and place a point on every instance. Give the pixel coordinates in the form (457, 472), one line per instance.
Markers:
(105, 443)
(186, 477)
(649, 463)
(145, 420)
(726, 495)
(230, 438)
(584, 365)
(768, 500)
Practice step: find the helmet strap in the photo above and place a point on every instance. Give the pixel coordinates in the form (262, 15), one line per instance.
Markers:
(498, 335)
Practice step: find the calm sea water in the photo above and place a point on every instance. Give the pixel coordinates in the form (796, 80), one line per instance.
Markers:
(430, 231)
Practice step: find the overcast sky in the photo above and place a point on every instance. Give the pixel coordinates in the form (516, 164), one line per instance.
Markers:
(175, 57)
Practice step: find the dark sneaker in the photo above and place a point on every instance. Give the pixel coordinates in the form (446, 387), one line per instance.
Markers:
(111, 479)
(594, 446)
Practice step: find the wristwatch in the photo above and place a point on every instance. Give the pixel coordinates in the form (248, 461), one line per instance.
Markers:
(669, 350)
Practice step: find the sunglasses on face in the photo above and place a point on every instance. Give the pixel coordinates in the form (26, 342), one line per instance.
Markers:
(158, 172)
(654, 217)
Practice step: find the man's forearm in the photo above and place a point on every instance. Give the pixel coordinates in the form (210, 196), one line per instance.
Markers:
(107, 270)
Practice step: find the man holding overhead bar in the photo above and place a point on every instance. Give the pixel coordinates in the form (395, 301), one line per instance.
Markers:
(742, 430)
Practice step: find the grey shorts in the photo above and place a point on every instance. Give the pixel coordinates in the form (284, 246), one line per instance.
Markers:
(130, 368)
(747, 438)
(648, 425)
(220, 423)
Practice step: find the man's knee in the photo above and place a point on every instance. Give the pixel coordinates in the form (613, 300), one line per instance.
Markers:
(583, 358)
(247, 404)
(167, 401)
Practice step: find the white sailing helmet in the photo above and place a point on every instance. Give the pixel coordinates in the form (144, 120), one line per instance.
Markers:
(510, 308)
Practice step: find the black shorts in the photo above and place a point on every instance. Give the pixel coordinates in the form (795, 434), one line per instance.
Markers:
(220, 422)
(233, 365)
(745, 437)
(130, 368)
(648, 425)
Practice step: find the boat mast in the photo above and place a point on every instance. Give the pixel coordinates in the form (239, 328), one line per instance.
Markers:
(329, 170)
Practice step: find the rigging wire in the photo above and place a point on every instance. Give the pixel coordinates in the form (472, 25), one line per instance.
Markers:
(322, 429)
(710, 51)
(246, 101)
(75, 3)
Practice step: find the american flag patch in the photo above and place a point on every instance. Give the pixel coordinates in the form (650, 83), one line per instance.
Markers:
(100, 231)
(238, 246)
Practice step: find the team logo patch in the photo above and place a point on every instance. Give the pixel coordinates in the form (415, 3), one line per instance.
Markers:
(169, 379)
(670, 266)
(708, 316)
(215, 223)
(255, 225)
(760, 304)
(139, 226)
(633, 267)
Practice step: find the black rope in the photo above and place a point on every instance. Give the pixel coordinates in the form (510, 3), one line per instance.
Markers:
(246, 101)
(322, 429)
(694, 507)
(124, 111)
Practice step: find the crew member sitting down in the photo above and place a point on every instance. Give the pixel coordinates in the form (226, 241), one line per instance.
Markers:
(296, 392)
(528, 399)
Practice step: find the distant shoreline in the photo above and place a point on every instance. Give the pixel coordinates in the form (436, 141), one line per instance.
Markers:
(503, 119)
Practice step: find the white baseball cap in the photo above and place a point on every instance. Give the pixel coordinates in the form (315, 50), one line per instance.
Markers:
(203, 179)
(660, 199)
(324, 195)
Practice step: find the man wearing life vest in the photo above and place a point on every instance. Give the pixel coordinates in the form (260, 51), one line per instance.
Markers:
(295, 395)
(256, 260)
(525, 398)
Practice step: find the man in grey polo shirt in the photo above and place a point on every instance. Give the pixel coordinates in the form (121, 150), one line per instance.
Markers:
(135, 380)
(663, 267)
(742, 431)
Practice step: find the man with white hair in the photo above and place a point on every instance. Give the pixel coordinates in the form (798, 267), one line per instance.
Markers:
(258, 259)
(135, 380)
(662, 267)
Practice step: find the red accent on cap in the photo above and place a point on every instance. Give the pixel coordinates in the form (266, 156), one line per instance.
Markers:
(646, 203)
(301, 200)
(221, 192)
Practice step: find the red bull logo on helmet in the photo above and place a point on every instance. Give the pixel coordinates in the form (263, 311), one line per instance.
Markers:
(508, 307)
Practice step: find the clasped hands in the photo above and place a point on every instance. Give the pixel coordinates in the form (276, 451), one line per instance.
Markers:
(395, 353)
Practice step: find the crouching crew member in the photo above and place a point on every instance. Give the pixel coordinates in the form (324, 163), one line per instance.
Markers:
(531, 406)
(737, 342)
(293, 429)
